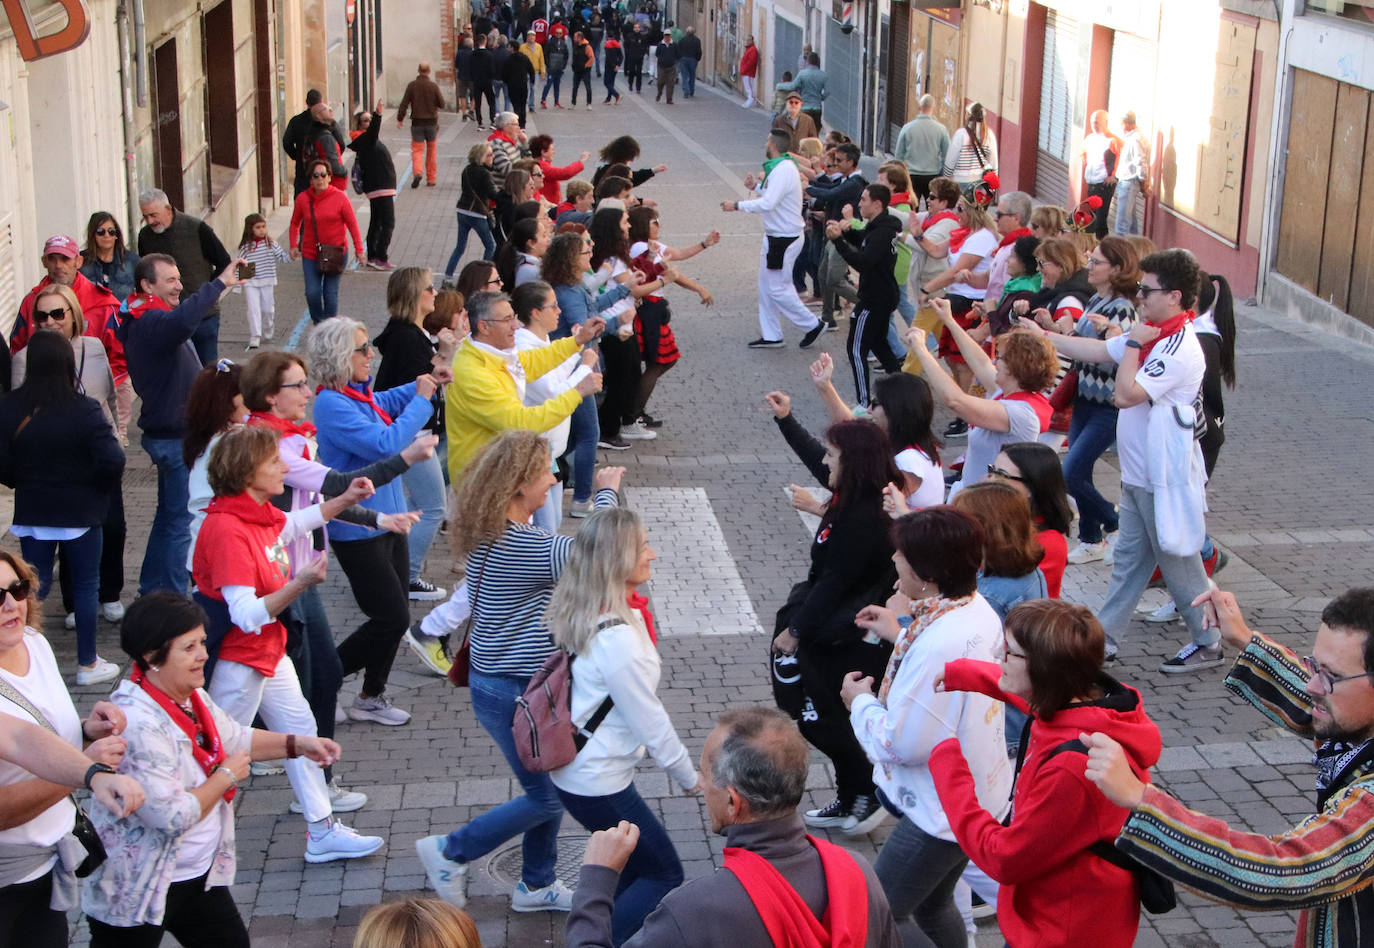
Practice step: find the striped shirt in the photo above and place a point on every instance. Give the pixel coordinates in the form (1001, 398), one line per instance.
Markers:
(265, 256)
(510, 583)
(1323, 866)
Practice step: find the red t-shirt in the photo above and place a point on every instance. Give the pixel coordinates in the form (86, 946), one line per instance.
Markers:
(239, 544)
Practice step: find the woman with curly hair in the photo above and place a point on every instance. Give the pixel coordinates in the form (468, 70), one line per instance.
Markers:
(1015, 408)
(623, 151)
(512, 567)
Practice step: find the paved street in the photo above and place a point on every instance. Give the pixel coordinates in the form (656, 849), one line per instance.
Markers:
(1288, 504)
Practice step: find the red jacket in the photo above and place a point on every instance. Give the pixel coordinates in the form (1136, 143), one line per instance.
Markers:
(749, 62)
(97, 306)
(1054, 892)
(552, 190)
(337, 221)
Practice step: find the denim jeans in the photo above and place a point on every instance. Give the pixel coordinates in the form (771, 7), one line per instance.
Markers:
(480, 226)
(918, 873)
(424, 490)
(317, 661)
(112, 534)
(582, 79)
(687, 68)
(654, 869)
(554, 81)
(83, 559)
(907, 310)
(550, 516)
(582, 439)
(1092, 429)
(537, 814)
(321, 291)
(169, 538)
(1126, 221)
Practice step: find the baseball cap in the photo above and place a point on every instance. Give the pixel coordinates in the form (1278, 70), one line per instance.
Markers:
(63, 245)
(794, 95)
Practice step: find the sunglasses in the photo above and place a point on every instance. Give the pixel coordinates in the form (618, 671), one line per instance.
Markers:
(1147, 290)
(19, 589)
(106, 232)
(56, 315)
(225, 366)
(995, 471)
(319, 174)
(364, 349)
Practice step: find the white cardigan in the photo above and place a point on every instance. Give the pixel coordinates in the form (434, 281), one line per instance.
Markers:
(620, 661)
(899, 737)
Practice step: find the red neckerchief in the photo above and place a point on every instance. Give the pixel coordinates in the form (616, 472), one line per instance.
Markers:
(933, 219)
(248, 510)
(204, 734)
(501, 135)
(787, 918)
(957, 237)
(637, 601)
(1014, 236)
(901, 197)
(348, 391)
(1166, 329)
(136, 301)
(283, 426)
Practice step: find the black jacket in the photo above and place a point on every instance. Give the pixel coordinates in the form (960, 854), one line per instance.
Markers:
(62, 462)
(690, 47)
(833, 197)
(873, 252)
(298, 129)
(613, 56)
(636, 46)
(478, 189)
(322, 143)
(667, 55)
(481, 67)
(162, 363)
(407, 354)
(517, 74)
(555, 55)
(374, 158)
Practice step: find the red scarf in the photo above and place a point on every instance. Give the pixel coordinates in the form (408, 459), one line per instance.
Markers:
(637, 601)
(204, 734)
(788, 918)
(348, 391)
(283, 426)
(1166, 329)
(1014, 236)
(901, 197)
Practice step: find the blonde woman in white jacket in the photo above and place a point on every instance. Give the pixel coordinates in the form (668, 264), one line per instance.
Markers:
(597, 615)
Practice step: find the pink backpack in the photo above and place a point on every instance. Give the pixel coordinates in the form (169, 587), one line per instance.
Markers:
(546, 737)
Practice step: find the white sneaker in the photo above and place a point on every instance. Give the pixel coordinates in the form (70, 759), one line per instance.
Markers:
(341, 799)
(112, 611)
(1109, 554)
(340, 716)
(1165, 613)
(637, 432)
(446, 877)
(379, 710)
(1086, 552)
(96, 673)
(70, 621)
(266, 768)
(551, 898)
(340, 842)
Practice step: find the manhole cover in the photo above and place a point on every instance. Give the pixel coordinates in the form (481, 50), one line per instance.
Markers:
(505, 863)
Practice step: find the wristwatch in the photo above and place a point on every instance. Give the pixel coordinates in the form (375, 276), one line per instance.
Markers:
(95, 768)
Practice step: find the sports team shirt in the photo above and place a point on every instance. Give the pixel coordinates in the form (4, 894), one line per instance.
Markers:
(1172, 376)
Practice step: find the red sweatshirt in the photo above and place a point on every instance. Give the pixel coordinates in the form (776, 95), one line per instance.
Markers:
(337, 221)
(552, 190)
(1054, 892)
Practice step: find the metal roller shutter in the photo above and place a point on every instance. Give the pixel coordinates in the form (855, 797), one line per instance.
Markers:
(898, 67)
(1132, 88)
(787, 47)
(1058, 80)
(843, 55)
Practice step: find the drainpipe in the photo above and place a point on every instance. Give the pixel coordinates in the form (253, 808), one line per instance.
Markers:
(130, 132)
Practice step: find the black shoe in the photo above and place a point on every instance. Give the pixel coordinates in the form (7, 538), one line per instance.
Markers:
(865, 814)
(649, 421)
(812, 335)
(834, 814)
(957, 428)
(415, 181)
(761, 343)
(830, 325)
(613, 444)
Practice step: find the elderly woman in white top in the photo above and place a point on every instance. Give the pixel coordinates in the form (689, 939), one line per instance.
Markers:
(171, 864)
(38, 855)
(536, 307)
(59, 310)
(597, 615)
(938, 553)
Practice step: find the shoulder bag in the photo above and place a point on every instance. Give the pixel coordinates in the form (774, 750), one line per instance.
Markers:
(329, 258)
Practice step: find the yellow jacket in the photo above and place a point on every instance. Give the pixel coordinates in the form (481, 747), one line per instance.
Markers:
(535, 53)
(482, 400)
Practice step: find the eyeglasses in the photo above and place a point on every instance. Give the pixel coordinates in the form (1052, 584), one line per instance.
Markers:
(995, 471)
(106, 232)
(1328, 680)
(1097, 262)
(494, 281)
(319, 174)
(537, 174)
(364, 350)
(224, 365)
(504, 319)
(1147, 290)
(56, 315)
(1001, 214)
(1006, 648)
(303, 385)
(19, 589)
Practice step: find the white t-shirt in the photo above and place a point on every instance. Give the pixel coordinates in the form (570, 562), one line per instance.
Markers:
(627, 305)
(984, 244)
(932, 490)
(1172, 376)
(45, 690)
(1095, 148)
(196, 851)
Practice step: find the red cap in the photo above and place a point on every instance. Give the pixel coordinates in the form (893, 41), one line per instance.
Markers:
(62, 244)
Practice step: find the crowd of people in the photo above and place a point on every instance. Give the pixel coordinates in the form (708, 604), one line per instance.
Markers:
(927, 653)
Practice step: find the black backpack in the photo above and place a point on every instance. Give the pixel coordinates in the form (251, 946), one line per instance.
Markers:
(1156, 892)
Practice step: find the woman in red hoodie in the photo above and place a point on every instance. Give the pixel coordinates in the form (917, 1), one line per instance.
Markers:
(1054, 892)
(322, 216)
(541, 150)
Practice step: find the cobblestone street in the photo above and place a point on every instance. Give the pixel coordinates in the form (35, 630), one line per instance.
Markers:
(1289, 505)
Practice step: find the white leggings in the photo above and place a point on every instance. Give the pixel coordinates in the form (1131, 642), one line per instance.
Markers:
(262, 309)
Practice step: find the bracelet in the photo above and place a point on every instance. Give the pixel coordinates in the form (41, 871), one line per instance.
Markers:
(1132, 344)
(233, 778)
(703, 245)
(291, 753)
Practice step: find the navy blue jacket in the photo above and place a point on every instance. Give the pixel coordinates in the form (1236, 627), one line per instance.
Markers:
(162, 363)
(62, 463)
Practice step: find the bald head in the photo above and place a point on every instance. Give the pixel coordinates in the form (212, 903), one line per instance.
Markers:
(926, 103)
(424, 69)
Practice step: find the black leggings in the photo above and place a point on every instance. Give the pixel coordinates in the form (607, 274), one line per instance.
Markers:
(196, 917)
(25, 918)
(822, 672)
(378, 569)
(379, 228)
(621, 381)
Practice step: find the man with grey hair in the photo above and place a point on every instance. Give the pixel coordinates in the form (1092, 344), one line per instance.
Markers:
(487, 395)
(754, 769)
(921, 146)
(198, 253)
(1013, 219)
(1132, 174)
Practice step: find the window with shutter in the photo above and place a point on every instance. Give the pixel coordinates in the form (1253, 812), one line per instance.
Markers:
(1058, 80)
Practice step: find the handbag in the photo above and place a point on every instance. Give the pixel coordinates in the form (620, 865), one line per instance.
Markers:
(461, 666)
(82, 827)
(329, 258)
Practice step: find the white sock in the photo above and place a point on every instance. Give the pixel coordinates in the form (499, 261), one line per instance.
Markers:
(320, 828)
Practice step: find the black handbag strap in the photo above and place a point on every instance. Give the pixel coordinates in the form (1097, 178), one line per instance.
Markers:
(314, 221)
(584, 734)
